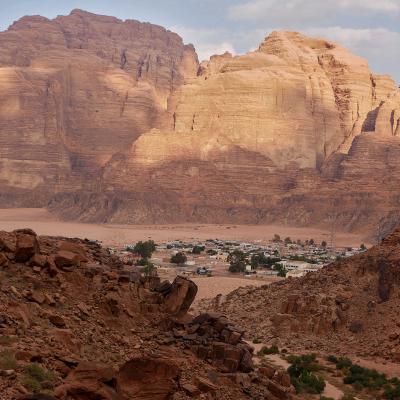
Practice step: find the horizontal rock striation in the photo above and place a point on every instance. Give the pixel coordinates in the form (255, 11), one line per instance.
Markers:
(116, 121)
(78, 89)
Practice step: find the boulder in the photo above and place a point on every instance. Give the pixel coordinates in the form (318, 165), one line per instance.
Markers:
(205, 385)
(38, 260)
(66, 260)
(8, 242)
(179, 299)
(57, 321)
(282, 393)
(3, 260)
(147, 379)
(267, 371)
(246, 363)
(74, 248)
(89, 381)
(27, 246)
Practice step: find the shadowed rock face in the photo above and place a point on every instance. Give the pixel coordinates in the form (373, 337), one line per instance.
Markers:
(130, 129)
(78, 89)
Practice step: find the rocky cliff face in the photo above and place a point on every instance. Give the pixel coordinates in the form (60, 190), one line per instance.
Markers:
(297, 131)
(78, 89)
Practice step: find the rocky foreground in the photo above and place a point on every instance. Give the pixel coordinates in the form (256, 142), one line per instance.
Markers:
(78, 324)
(350, 307)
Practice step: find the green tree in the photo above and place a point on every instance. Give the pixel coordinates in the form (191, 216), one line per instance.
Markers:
(258, 260)
(363, 247)
(281, 270)
(198, 249)
(237, 260)
(323, 244)
(150, 269)
(179, 258)
(145, 249)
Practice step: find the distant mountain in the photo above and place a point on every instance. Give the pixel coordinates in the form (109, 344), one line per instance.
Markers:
(104, 120)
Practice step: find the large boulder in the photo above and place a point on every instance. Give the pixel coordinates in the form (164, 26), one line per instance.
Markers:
(87, 382)
(180, 297)
(147, 379)
(8, 242)
(66, 260)
(27, 245)
(74, 248)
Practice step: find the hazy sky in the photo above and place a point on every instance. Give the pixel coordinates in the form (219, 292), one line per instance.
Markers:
(370, 28)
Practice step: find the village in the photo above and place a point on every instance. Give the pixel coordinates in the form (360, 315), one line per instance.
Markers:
(258, 260)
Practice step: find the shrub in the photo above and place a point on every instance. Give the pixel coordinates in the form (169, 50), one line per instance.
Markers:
(179, 258)
(145, 249)
(31, 384)
(343, 362)
(360, 378)
(302, 374)
(269, 350)
(281, 270)
(35, 376)
(7, 360)
(198, 249)
(347, 396)
(332, 359)
(150, 270)
(365, 378)
(35, 371)
(309, 383)
(6, 340)
(392, 392)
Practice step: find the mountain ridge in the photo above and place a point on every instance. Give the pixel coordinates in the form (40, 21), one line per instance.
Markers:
(294, 132)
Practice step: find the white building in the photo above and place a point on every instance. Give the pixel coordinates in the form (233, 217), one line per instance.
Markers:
(297, 273)
(291, 265)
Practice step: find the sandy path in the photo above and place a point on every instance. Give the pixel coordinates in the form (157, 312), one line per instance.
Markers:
(46, 224)
(209, 287)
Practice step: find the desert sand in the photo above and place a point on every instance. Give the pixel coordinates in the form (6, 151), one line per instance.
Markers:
(45, 223)
(211, 287)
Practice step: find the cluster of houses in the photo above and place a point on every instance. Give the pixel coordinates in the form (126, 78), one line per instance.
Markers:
(211, 256)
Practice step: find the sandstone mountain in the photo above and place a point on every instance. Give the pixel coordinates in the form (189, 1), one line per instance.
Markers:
(116, 121)
(78, 89)
(78, 324)
(348, 308)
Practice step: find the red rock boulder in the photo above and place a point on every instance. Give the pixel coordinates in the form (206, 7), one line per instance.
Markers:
(180, 297)
(26, 247)
(87, 382)
(66, 260)
(147, 379)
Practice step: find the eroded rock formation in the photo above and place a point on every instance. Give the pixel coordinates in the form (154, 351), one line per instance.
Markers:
(78, 89)
(92, 327)
(116, 121)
